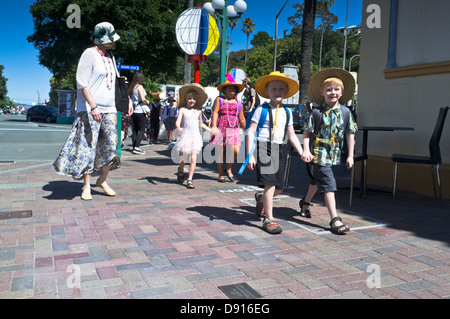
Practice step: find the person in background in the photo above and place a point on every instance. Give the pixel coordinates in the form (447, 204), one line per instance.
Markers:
(155, 118)
(170, 117)
(138, 97)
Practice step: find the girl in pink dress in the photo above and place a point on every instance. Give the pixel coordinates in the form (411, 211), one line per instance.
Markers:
(191, 98)
(228, 115)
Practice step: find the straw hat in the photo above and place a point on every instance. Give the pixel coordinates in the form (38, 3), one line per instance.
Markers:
(229, 81)
(260, 85)
(317, 80)
(104, 33)
(202, 96)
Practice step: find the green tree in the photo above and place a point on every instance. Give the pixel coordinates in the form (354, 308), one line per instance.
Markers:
(260, 62)
(146, 28)
(4, 100)
(248, 27)
(261, 38)
(290, 51)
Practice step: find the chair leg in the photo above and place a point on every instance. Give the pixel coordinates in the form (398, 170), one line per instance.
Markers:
(439, 182)
(434, 181)
(352, 182)
(365, 179)
(394, 186)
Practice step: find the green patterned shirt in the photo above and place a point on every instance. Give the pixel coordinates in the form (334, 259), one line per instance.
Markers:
(329, 141)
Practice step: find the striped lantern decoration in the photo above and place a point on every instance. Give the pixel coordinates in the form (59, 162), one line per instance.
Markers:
(197, 35)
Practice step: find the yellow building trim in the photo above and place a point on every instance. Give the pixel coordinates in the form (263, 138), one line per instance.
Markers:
(417, 70)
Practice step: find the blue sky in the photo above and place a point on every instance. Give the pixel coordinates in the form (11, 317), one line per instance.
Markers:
(28, 80)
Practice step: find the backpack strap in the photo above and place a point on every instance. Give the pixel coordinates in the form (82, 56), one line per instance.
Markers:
(262, 120)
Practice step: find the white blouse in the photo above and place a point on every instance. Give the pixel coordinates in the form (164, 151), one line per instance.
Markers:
(91, 74)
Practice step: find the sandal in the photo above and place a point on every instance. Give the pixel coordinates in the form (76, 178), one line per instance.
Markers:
(304, 213)
(86, 193)
(190, 185)
(221, 179)
(259, 205)
(108, 190)
(338, 230)
(180, 176)
(272, 227)
(230, 176)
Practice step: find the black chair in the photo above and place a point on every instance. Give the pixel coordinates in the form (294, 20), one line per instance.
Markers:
(434, 159)
(358, 158)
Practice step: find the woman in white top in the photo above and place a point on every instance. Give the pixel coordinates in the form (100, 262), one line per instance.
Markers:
(137, 94)
(91, 148)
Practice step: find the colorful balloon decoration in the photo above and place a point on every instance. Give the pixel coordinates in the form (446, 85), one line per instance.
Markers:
(197, 35)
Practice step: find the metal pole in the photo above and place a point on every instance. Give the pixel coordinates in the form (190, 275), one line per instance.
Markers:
(276, 33)
(187, 64)
(223, 48)
(345, 43)
(350, 63)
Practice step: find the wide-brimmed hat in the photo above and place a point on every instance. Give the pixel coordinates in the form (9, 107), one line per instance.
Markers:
(104, 33)
(229, 81)
(317, 80)
(260, 85)
(202, 96)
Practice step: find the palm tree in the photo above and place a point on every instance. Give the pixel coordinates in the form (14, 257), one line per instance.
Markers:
(233, 24)
(248, 27)
(290, 53)
(309, 15)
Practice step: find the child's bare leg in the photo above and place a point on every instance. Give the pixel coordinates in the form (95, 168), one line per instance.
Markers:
(312, 190)
(269, 193)
(192, 166)
(220, 160)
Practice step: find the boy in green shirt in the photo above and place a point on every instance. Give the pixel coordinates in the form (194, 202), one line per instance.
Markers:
(329, 88)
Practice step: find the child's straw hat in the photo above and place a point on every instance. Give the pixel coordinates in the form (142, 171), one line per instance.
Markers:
(202, 96)
(229, 81)
(317, 80)
(261, 84)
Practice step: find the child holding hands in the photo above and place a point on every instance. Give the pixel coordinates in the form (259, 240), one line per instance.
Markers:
(269, 162)
(191, 98)
(329, 124)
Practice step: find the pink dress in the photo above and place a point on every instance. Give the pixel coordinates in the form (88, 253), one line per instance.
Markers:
(228, 124)
(190, 139)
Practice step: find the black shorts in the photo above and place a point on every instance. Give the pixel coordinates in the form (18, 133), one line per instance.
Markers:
(323, 177)
(270, 165)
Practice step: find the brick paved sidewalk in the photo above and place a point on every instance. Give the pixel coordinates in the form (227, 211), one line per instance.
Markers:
(157, 239)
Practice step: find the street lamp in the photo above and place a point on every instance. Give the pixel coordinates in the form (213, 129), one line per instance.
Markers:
(276, 31)
(350, 63)
(225, 11)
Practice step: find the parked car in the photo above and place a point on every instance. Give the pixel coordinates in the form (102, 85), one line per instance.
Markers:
(297, 117)
(42, 113)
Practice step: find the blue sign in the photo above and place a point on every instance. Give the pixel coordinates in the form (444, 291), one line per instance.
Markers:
(129, 67)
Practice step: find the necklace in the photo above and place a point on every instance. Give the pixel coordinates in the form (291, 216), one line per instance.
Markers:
(109, 73)
(228, 116)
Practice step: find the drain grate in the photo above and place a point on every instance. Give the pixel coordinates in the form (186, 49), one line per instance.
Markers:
(16, 214)
(240, 291)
